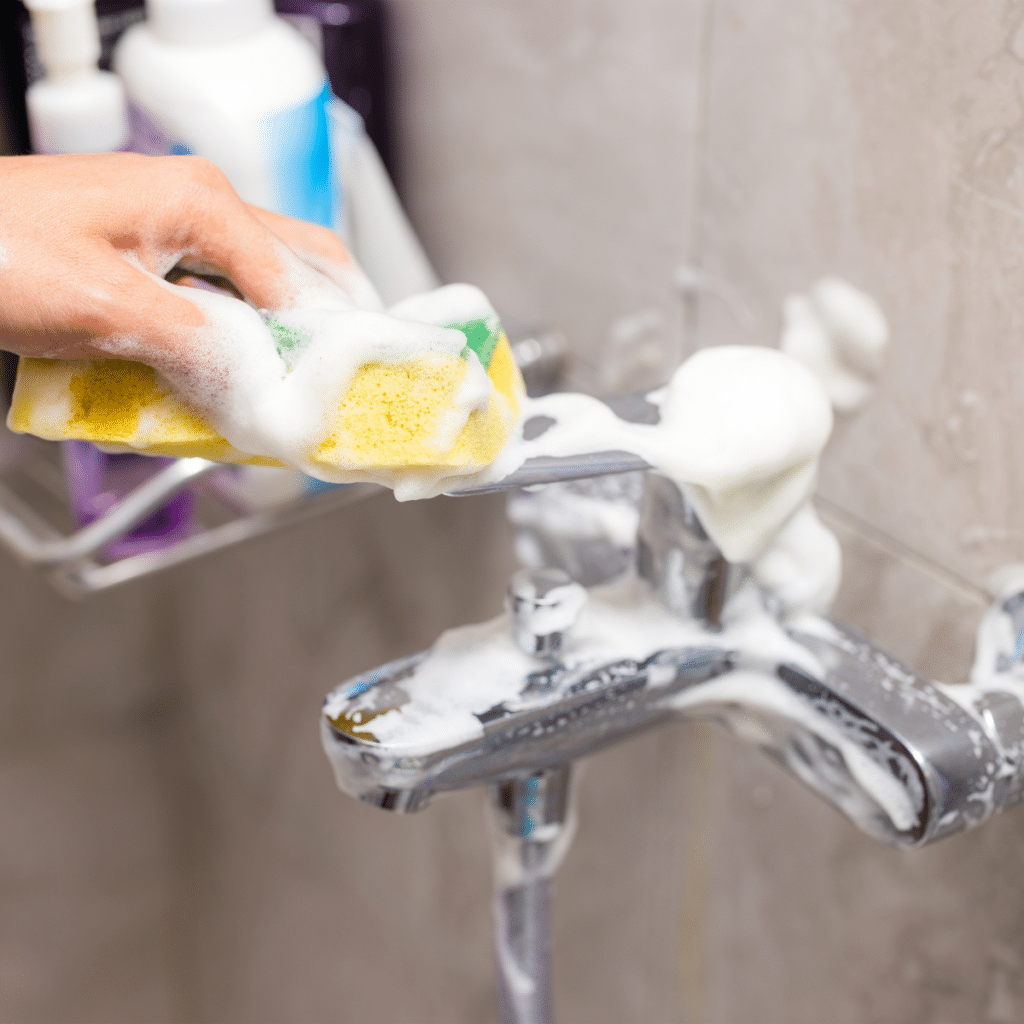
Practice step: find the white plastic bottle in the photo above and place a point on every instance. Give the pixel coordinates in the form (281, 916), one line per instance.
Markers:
(75, 108)
(230, 81)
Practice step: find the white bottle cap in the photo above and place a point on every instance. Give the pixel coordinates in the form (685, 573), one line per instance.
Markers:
(66, 35)
(201, 22)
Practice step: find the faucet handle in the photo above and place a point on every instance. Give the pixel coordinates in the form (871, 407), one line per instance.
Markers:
(543, 605)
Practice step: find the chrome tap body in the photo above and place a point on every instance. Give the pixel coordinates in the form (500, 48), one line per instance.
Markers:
(511, 704)
(908, 760)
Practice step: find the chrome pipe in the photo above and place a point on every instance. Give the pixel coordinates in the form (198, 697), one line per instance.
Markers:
(531, 828)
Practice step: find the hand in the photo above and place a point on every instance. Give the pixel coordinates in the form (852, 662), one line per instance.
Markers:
(86, 240)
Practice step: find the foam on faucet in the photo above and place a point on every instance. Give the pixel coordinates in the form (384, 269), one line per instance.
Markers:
(473, 668)
(450, 691)
(802, 567)
(740, 433)
(841, 335)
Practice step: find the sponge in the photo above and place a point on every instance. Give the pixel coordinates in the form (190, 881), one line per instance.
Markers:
(389, 418)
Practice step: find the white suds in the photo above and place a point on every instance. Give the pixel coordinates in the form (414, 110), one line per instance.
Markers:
(841, 335)
(269, 405)
(803, 566)
(741, 431)
(454, 303)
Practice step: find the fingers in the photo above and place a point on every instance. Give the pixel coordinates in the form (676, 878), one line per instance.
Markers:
(322, 249)
(79, 236)
(301, 235)
(128, 314)
(81, 298)
(203, 223)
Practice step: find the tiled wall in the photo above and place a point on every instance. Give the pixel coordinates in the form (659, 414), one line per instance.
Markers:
(766, 144)
(173, 845)
(87, 855)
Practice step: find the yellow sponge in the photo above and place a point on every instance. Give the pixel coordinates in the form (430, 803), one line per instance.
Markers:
(385, 421)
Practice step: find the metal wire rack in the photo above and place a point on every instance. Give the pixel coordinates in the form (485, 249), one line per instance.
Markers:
(37, 526)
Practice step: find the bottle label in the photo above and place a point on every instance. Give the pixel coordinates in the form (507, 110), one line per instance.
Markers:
(300, 152)
(297, 146)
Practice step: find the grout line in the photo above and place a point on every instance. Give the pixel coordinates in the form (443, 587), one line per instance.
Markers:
(902, 552)
(693, 242)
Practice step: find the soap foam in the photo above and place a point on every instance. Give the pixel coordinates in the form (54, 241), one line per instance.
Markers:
(455, 303)
(841, 335)
(741, 430)
(803, 566)
(284, 404)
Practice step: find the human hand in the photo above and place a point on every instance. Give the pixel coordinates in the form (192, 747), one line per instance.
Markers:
(85, 242)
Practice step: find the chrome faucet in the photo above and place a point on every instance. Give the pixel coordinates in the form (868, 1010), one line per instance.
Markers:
(512, 703)
(903, 758)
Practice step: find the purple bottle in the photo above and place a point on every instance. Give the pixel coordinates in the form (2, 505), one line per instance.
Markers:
(96, 481)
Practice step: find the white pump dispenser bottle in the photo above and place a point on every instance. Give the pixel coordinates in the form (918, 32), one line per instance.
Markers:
(75, 108)
(230, 81)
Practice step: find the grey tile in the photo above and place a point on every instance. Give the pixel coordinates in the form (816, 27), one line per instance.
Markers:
(71, 954)
(549, 154)
(72, 665)
(878, 141)
(83, 883)
(82, 809)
